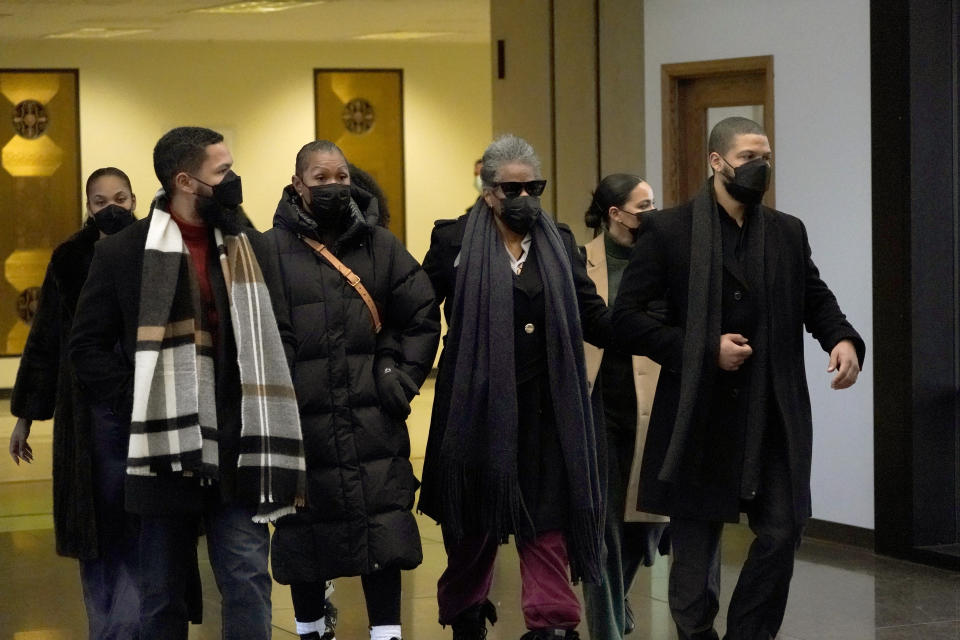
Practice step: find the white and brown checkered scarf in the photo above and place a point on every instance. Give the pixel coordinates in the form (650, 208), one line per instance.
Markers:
(174, 422)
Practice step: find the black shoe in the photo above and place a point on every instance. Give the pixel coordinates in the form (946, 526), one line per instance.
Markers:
(551, 634)
(629, 624)
(471, 624)
(313, 635)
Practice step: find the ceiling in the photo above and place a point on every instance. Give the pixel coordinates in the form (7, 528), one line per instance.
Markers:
(331, 20)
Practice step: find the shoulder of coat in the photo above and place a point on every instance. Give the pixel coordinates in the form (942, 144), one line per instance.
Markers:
(594, 250)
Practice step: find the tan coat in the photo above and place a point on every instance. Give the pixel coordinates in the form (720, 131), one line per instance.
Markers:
(645, 374)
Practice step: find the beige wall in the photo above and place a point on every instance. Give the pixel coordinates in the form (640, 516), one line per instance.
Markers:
(260, 95)
(522, 100)
(622, 131)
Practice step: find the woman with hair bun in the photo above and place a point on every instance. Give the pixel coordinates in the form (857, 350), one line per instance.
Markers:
(632, 537)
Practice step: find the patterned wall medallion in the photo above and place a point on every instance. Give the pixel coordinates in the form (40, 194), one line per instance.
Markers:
(358, 116)
(30, 119)
(27, 303)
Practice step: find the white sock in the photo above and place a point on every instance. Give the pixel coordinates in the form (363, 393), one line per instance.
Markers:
(385, 632)
(303, 628)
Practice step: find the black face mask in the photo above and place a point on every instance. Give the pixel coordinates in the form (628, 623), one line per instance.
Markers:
(638, 216)
(750, 181)
(520, 213)
(113, 218)
(330, 205)
(219, 209)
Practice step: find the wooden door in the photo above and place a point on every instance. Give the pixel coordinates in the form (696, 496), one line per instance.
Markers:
(697, 95)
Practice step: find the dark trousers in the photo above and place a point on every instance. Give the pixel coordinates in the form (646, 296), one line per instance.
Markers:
(381, 590)
(627, 545)
(237, 548)
(110, 592)
(760, 598)
(547, 599)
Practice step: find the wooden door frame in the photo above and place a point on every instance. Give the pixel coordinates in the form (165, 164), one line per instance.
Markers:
(670, 76)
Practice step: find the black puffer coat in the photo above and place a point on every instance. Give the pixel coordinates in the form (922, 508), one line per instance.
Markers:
(360, 484)
(47, 388)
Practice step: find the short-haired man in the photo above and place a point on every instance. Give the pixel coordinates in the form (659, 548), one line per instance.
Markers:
(730, 429)
(177, 330)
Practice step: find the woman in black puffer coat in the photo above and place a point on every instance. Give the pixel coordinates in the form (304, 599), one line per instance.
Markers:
(353, 386)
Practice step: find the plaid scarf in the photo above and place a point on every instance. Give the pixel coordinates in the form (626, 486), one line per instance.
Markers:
(174, 420)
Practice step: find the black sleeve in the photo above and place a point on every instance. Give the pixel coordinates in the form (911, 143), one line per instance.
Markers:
(595, 316)
(97, 330)
(35, 391)
(411, 317)
(822, 315)
(273, 277)
(434, 267)
(644, 281)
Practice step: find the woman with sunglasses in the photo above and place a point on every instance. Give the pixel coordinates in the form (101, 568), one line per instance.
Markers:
(512, 448)
(632, 537)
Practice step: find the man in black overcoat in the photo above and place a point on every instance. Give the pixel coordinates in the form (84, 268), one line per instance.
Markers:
(730, 429)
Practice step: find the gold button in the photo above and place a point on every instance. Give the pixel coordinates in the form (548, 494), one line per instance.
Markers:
(528, 327)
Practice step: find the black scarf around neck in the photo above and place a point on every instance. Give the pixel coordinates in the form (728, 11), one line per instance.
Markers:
(701, 338)
(479, 448)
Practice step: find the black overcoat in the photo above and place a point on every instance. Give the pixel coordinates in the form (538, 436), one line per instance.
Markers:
(439, 262)
(103, 350)
(47, 387)
(360, 483)
(706, 483)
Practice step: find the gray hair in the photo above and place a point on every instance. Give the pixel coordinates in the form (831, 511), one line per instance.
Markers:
(507, 149)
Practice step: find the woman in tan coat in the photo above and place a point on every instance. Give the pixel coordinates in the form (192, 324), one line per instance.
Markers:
(627, 384)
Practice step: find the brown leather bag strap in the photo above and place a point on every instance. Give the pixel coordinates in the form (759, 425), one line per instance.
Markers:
(352, 279)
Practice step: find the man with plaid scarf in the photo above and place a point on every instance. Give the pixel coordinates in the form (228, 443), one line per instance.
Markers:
(180, 329)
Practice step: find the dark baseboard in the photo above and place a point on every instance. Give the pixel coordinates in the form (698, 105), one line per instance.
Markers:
(842, 533)
(5, 394)
(943, 556)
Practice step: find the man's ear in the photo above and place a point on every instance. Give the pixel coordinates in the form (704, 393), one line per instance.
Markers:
(716, 163)
(133, 202)
(182, 183)
(489, 198)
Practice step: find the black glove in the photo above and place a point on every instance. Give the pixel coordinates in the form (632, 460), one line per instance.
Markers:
(395, 388)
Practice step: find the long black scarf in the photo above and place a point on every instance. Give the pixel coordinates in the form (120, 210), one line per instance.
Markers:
(479, 448)
(701, 338)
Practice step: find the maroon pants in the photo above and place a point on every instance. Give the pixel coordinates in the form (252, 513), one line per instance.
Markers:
(547, 599)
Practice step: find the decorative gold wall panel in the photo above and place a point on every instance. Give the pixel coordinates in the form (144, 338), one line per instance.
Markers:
(39, 188)
(362, 112)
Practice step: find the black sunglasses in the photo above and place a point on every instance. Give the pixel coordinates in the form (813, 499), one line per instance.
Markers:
(514, 189)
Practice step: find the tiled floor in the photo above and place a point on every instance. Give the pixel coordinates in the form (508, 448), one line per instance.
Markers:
(838, 593)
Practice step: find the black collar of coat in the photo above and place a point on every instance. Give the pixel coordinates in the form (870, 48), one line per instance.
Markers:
(291, 216)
